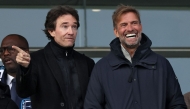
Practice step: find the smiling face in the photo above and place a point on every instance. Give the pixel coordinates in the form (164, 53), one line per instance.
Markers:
(65, 31)
(8, 55)
(128, 25)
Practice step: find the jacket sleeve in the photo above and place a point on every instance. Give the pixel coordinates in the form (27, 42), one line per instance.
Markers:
(91, 64)
(175, 99)
(26, 80)
(94, 97)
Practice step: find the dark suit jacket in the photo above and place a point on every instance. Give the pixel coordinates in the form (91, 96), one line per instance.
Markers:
(19, 100)
(43, 80)
(5, 98)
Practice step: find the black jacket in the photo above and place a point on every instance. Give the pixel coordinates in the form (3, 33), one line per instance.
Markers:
(43, 80)
(19, 101)
(149, 82)
(5, 98)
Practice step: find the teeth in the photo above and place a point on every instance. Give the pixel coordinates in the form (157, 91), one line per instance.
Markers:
(7, 60)
(130, 35)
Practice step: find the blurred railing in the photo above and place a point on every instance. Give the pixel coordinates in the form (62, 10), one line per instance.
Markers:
(168, 52)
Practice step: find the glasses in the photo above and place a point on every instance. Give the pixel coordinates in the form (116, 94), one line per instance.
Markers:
(9, 49)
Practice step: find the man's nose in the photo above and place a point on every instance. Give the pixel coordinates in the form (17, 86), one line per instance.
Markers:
(70, 30)
(129, 27)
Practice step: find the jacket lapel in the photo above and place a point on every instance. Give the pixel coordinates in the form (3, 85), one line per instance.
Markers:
(54, 67)
(4, 77)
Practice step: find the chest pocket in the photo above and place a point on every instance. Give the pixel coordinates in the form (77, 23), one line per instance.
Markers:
(147, 66)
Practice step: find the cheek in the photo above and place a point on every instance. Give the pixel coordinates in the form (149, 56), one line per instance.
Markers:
(59, 35)
(139, 28)
(120, 31)
(60, 31)
(14, 56)
(75, 32)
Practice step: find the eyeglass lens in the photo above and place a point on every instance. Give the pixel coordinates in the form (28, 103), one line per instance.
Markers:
(9, 49)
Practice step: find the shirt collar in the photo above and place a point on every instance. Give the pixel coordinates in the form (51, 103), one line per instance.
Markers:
(125, 53)
(9, 80)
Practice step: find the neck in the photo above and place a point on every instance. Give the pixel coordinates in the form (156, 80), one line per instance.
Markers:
(131, 52)
(12, 74)
(61, 47)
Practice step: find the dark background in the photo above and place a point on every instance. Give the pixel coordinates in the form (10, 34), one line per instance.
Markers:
(166, 3)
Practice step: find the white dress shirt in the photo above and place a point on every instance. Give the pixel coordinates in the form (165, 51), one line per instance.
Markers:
(125, 53)
(9, 80)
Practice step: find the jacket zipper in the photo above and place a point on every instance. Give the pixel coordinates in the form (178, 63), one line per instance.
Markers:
(66, 53)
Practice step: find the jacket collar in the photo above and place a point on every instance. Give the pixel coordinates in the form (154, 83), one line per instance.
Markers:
(4, 77)
(142, 54)
(4, 90)
(60, 51)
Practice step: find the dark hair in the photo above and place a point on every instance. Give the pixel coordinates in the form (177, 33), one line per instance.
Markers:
(21, 38)
(122, 9)
(56, 12)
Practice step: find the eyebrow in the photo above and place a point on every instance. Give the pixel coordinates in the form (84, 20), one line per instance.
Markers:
(67, 23)
(130, 22)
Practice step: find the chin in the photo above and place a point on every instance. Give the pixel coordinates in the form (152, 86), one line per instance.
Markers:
(69, 45)
(12, 70)
(11, 66)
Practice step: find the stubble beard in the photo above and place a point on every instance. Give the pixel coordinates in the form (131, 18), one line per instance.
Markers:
(134, 45)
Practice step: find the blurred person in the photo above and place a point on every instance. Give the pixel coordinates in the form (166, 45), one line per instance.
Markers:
(5, 98)
(132, 76)
(8, 56)
(187, 99)
(57, 76)
(1, 70)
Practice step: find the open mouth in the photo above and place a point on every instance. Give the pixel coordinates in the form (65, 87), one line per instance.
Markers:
(7, 61)
(130, 35)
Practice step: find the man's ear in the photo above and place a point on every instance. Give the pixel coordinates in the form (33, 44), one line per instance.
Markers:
(116, 32)
(52, 33)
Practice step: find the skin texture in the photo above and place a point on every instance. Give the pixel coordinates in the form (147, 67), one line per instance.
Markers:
(9, 59)
(128, 23)
(65, 31)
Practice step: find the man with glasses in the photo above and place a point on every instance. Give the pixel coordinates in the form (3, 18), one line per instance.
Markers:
(5, 98)
(8, 57)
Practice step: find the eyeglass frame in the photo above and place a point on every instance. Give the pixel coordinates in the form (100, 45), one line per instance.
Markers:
(9, 49)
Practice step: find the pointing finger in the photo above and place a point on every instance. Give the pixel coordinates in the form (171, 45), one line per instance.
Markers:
(17, 48)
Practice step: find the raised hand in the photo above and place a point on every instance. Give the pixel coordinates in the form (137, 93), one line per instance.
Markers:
(22, 58)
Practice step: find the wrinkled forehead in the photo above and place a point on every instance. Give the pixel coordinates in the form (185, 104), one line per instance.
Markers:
(129, 15)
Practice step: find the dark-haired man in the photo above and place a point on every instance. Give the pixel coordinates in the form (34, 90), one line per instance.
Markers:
(8, 57)
(55, 77)
(132, 76)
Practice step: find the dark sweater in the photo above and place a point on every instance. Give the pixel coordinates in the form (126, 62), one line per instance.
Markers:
(66, 62)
